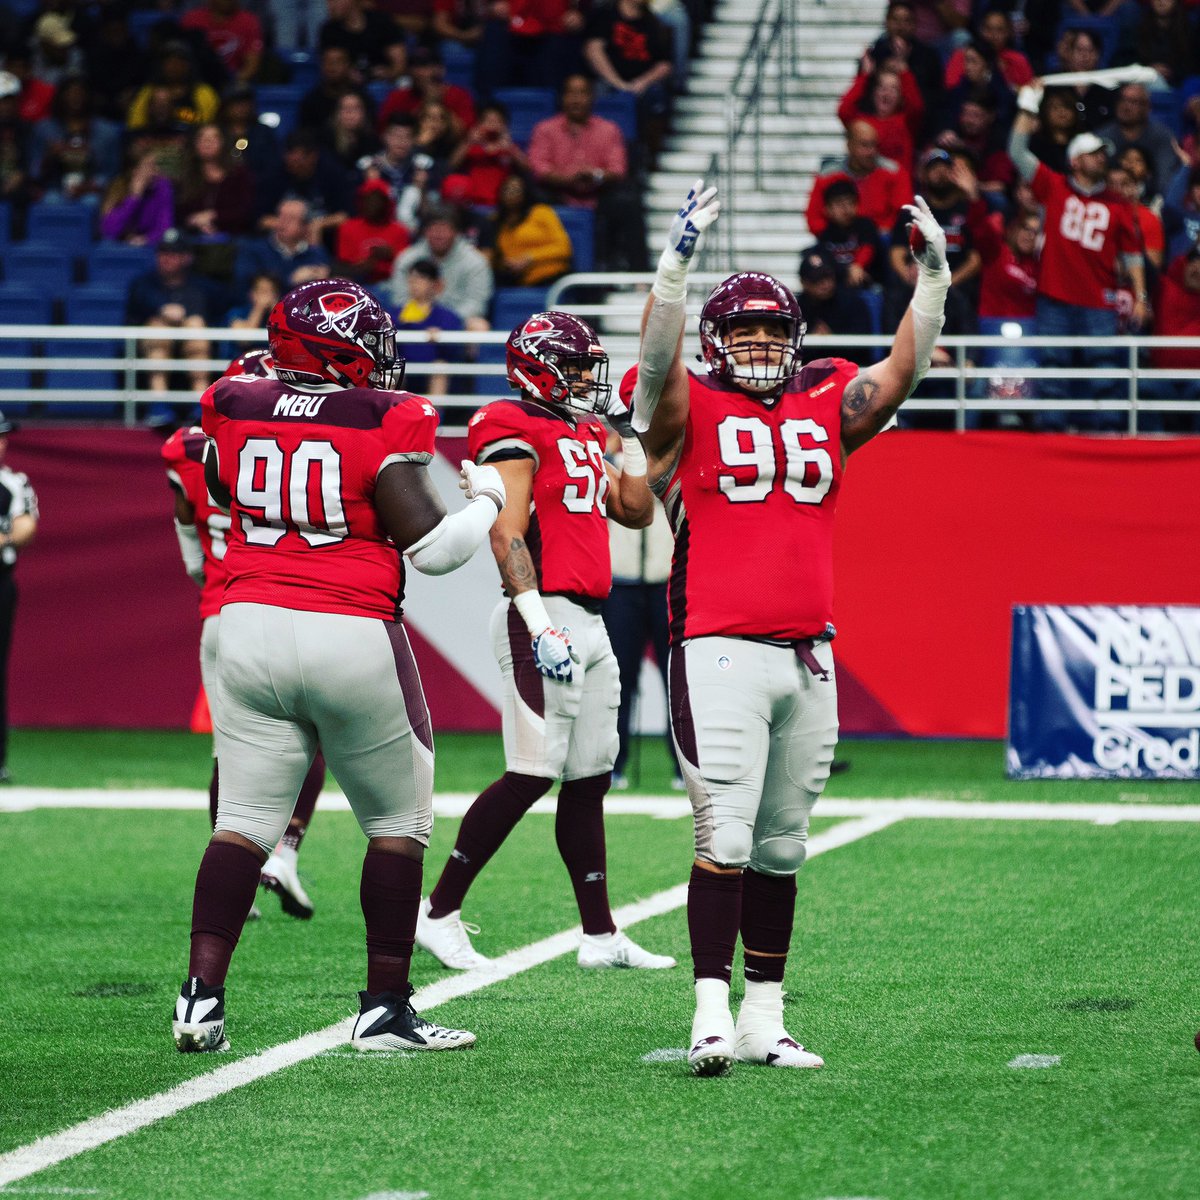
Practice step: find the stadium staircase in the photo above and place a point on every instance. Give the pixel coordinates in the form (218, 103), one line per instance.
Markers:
(775, 76)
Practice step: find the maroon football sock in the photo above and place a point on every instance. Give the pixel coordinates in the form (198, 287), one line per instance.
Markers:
(214, 785)
(225, 888)
(768, 912)
(390, 894)
(579, 831)
(310, 789)
(714, 910)
(488, 822)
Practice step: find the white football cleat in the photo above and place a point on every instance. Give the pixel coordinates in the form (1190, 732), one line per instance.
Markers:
(760, 1036)
(712, 1051)
(448, 939)
(199, 1024)
(389, 1022)
(279, 876)
(619, 950)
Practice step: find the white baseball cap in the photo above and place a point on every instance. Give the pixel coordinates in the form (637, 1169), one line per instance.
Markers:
(10, 85)
(1085, 143)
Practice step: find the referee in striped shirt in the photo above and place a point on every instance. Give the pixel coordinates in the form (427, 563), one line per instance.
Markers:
(18, 524)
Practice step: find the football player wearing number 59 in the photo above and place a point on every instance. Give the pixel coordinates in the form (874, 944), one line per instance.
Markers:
(323, 471)
(561, 681)
(748, 457)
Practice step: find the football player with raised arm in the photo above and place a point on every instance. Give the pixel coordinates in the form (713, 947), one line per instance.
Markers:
(201, 527)
(560, 676)
(323, 471)
(748, 456)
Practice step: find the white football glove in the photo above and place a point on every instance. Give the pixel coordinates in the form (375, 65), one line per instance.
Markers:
(553, 654)
(482, 481)
(926, 238)
(699, 211)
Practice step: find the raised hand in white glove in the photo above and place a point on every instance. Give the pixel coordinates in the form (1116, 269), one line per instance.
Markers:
(698, 212)
(482, 481)
(1029, 98)
(926, 238)
(553, 654)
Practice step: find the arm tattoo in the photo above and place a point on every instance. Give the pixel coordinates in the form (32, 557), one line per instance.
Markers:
(859, 396)
(516, 568)
(864, 410)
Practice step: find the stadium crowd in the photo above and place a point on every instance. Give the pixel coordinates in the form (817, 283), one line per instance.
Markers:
(200, 158)
(948, 102)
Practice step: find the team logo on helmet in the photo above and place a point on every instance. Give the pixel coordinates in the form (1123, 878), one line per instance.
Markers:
(339, 310)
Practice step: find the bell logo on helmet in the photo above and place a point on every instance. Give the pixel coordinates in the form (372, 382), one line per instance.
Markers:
(761, 306)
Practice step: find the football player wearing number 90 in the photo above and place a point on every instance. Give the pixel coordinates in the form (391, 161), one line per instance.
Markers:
(323, 470)
(748, 457)
(561, 681)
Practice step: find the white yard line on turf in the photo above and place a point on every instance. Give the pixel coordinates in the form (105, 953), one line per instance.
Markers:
(119, 1122)
(455, 804)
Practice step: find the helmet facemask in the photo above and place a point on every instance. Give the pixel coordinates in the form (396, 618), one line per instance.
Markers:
(584, 395)
(758, 365)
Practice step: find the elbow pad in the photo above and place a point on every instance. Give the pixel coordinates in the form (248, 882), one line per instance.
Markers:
(453, 540)
(191, 551)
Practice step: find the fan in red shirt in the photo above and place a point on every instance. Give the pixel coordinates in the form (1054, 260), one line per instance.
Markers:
(1177, 315)
(323, 470)
(1091, 242)
(890, 102)
(235, 35)
(367, 245)
(884, 187)
(428, 83)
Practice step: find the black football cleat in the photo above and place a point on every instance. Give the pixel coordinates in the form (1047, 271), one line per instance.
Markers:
(389, 1022)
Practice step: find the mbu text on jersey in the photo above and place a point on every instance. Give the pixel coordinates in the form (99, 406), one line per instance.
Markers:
(301, 466)
(752, 501)
(568, 530)
(183, 453)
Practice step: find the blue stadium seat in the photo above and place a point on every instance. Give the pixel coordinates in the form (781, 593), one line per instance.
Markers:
(282, 99)
(96, 304)
(83, 381)
(71, 227)
(20, 305)
(5, 224)
(512, 305)
(620, 108)
(492, 385)
(526, 107)
(459, 61)
(1167, 107)
(378, 90)
(141, 21)
(42, 266)
(580, 224)
(304, 68)
(114, 264)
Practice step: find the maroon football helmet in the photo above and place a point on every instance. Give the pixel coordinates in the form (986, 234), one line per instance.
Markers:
(748, 296)
(334, 331)
(546, 356)
(257, 362)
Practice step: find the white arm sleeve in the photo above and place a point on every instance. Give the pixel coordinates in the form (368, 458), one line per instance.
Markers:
(189, 548)
(664, 328)
(453, 540)
(929, 315)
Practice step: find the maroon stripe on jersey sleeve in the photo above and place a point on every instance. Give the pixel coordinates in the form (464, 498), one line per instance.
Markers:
(677, 587)
(194, 445)
(410, 684)
(527, 677)
(268, 400)
(682, 725)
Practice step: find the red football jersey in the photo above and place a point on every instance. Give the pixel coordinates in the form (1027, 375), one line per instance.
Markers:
(183, 453)
(1084, 235)
(752, 501)
(568, 529)
(301, 465)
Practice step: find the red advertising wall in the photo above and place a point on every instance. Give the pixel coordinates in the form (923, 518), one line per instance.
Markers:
(938, 536)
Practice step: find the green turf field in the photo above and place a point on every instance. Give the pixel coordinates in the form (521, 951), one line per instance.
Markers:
(927, 957)
(961, 770)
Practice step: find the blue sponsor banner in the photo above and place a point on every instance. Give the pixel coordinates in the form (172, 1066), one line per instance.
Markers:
(1104, 693)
